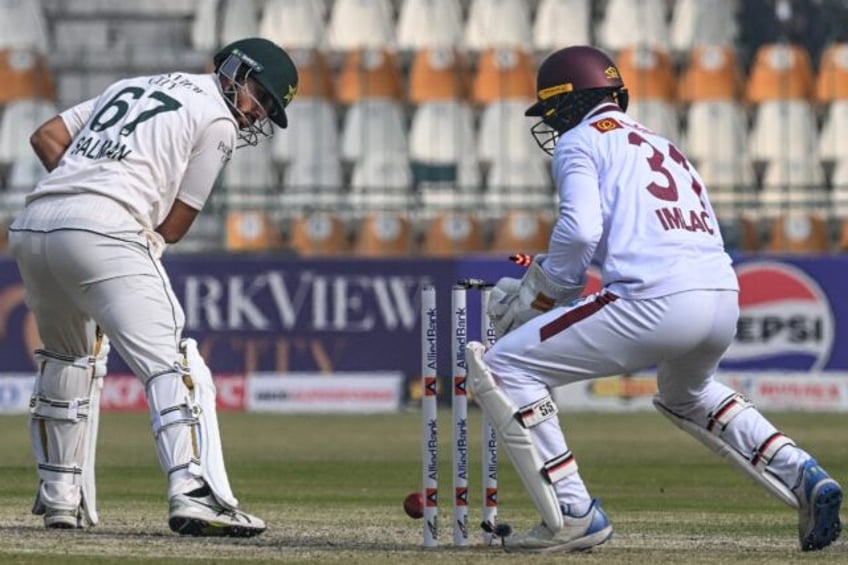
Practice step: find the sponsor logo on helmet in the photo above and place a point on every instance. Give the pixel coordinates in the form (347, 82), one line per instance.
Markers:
(785, 321)
(550, 91)
(612, 73)
(253, 63)
(606, 124)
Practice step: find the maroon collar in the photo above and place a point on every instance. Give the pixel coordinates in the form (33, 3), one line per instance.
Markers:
(604, 108)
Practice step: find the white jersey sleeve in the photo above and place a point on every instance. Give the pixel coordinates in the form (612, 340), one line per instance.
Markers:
(75, 117)
(632, 200)
(212, 151)
(136, 144)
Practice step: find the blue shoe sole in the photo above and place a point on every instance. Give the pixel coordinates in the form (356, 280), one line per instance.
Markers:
(827, 525)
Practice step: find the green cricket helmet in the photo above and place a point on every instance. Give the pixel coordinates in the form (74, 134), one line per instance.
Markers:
(266, 63)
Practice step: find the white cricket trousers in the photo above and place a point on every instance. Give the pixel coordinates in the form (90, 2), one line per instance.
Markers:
(684, 335)
(73, 277)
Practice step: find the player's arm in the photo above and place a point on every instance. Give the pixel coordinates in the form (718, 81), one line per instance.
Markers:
(211, 153)
(579, 227)
(53, 137)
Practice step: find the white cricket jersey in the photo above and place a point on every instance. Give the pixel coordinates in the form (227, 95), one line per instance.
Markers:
(133, 145)
(632, 201)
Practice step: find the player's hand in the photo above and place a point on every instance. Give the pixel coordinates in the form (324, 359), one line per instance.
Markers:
(499, 308)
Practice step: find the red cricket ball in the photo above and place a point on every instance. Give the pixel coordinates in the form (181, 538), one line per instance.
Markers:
(413, 504)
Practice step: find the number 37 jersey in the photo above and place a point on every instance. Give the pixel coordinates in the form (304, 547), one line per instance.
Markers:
(638, 192)
(134, 142)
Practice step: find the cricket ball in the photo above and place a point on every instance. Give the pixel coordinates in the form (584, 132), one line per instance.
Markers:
(413, 504)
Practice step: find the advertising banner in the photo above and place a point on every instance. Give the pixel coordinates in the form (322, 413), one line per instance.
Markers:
(283, 314)
(341, 392)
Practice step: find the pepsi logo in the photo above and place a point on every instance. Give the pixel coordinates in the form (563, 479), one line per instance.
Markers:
(785, 320)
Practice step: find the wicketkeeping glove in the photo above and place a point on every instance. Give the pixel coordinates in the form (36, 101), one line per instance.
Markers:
(514, 301)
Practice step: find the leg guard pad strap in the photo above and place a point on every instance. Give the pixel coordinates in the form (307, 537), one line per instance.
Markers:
(537, 412)
(724, 413)
(513, 436)
(560, 467)
(745, 462)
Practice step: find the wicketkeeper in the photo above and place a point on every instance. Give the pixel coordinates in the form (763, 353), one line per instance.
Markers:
(630, 200)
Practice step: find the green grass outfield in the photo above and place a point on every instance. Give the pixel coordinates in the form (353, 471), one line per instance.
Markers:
(331, 487)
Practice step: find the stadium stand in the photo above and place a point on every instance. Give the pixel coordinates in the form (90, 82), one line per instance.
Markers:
(410, 112)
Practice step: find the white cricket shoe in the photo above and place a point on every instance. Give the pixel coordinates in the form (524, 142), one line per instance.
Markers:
(819, 500)
(578, 533)
(61, 519)
(199, 514)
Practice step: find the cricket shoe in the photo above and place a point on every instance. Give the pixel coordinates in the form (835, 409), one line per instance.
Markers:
(819, 500)
(578, 533)
(197, 513)
(61, 519)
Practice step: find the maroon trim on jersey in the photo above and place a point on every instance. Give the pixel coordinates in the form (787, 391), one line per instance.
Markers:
(575, 315)
(604, 108)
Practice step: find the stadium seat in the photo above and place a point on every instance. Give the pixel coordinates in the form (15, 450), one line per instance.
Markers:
(442, 133)
(312, 132)
(204, 26)
(452, 233)
(439, 73)
(832, 77)
(833, 138)
(384, 234)
(658, 115)
(382, 181)
(23, 26)
(313, 173)
(628, 23)
(320, 233)
(20, 119)
(799, 232)
(504, 132)
(717, 132)
(560, 23)
(369, 73)
(25, 173)
(783, 129)
(780, 72)
(503, 74)
(239, 19)
(789, 184)
(733, 173)
(314, 79)
(293, 24)
(498, 24)
(24, 74)
(648, 73)
(696, 23)
(428, 24)
(250, 230)
(519, 231)
(525, 176)
(373, 127)
(250, 170)
(712, 73)
(355, 25)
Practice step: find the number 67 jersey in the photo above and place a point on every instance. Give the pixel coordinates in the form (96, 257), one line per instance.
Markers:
(630, 199)
(133, 143)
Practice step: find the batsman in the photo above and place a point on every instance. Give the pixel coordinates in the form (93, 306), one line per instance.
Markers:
(631, 202)
(129, 171)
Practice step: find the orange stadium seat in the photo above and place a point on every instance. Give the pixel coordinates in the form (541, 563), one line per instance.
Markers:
(711, 74)
(369, 73)
(503, 74)
(383, 234)
(250, 231)
(832, 78)
(24, 74)
(439, 73)
(648, 73)
(313, 74)
(319, 234)
(799, 232)
(452, 233)
(780, 72)
(521, 232)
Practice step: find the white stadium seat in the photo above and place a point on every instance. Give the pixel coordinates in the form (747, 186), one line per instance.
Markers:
(373, 126)
(424, 24)
(355, 24)
(250, 169)
(628, 23)
(239, 19)
(497, 24)
(560, 23)
(702, 22)
(20, 120)
(658, 115)
(783, 129)
(293, 24)
(717, 131)
(442, 132)
(505, 132)
(22, 25)
(833, 139)
(312, 130)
